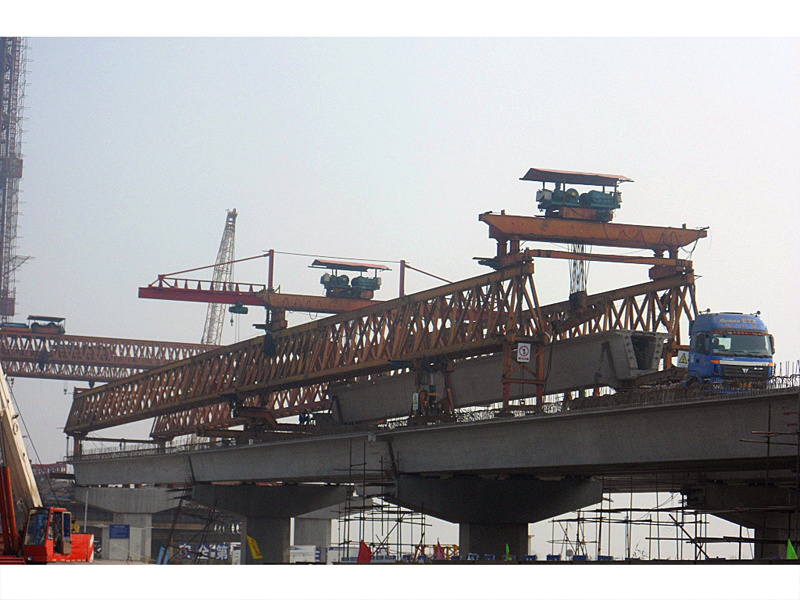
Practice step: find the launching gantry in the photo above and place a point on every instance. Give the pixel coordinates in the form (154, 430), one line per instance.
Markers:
(436, 334)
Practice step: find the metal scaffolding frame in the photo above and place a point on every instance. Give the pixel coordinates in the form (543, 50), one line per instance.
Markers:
(12, 94)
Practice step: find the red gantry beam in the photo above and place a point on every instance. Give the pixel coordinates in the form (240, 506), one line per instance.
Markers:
(249, 294)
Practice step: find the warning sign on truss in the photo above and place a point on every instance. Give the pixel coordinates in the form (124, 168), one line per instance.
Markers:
(683, 359)
(523, 352)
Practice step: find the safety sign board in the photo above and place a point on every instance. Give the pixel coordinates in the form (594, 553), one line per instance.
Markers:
(523, 352)
(184, 551)
(119, 532)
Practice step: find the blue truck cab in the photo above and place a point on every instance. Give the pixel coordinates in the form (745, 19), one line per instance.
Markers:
(730, 346)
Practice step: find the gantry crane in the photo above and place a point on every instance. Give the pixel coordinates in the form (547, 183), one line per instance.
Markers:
(289, 372)
(222, 277)
(342, 297)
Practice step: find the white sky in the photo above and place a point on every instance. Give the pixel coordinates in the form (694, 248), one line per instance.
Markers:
(388, 148)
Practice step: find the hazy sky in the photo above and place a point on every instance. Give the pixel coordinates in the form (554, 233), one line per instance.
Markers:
(388, 149)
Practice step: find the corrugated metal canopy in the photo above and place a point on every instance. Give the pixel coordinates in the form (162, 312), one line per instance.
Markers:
(44, 318)
(552, 176)
(348, 266)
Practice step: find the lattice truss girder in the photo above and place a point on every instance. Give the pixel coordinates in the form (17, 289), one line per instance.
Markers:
(657, 306)
(654, 306)
(469, 318)
(85, 358)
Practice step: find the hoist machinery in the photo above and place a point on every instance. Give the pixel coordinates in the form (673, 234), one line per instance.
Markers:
(342, 286)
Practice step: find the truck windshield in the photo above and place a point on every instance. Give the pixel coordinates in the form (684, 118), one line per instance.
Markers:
(741, 344)
(36, 533)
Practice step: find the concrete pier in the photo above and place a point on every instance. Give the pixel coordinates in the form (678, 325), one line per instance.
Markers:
(494, 512)
(133, 507)
(266, 513)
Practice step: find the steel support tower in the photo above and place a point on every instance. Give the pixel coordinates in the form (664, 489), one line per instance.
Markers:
(12, 71)
(223, 276)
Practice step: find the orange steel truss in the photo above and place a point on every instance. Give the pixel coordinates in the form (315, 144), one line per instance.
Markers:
(468, 318)
(653, 306)
(215, 419)
(84, 358)
(287, 373)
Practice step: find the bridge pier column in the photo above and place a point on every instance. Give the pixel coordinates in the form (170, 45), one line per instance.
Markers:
(494, 512)
(312, 532)
(492, 538)
(271, 536)
(130, 506)
(266, 512)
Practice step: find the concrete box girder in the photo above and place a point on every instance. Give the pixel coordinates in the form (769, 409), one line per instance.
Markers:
(604, 359)
(699, 435)
(147, 500)
(273, 501)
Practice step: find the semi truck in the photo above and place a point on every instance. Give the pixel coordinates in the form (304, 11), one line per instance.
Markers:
(730, 347)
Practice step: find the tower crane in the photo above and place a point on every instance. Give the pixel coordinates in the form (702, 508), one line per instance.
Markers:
(12, 90)
(223, 275)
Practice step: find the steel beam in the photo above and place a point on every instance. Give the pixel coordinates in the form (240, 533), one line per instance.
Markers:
(504, 227)
(249, 294)
(469, 318)
(86, 358)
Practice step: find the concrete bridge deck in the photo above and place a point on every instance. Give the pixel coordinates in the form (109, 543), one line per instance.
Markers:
(665, 444)
(735, 456)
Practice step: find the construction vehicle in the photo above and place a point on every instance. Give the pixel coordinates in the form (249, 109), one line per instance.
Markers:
(48, 535)
(729, 347)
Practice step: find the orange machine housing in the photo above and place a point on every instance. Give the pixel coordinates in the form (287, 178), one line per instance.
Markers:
(49, 538)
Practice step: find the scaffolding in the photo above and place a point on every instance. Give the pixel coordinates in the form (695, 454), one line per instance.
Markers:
(667, 521)
(392, 533)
